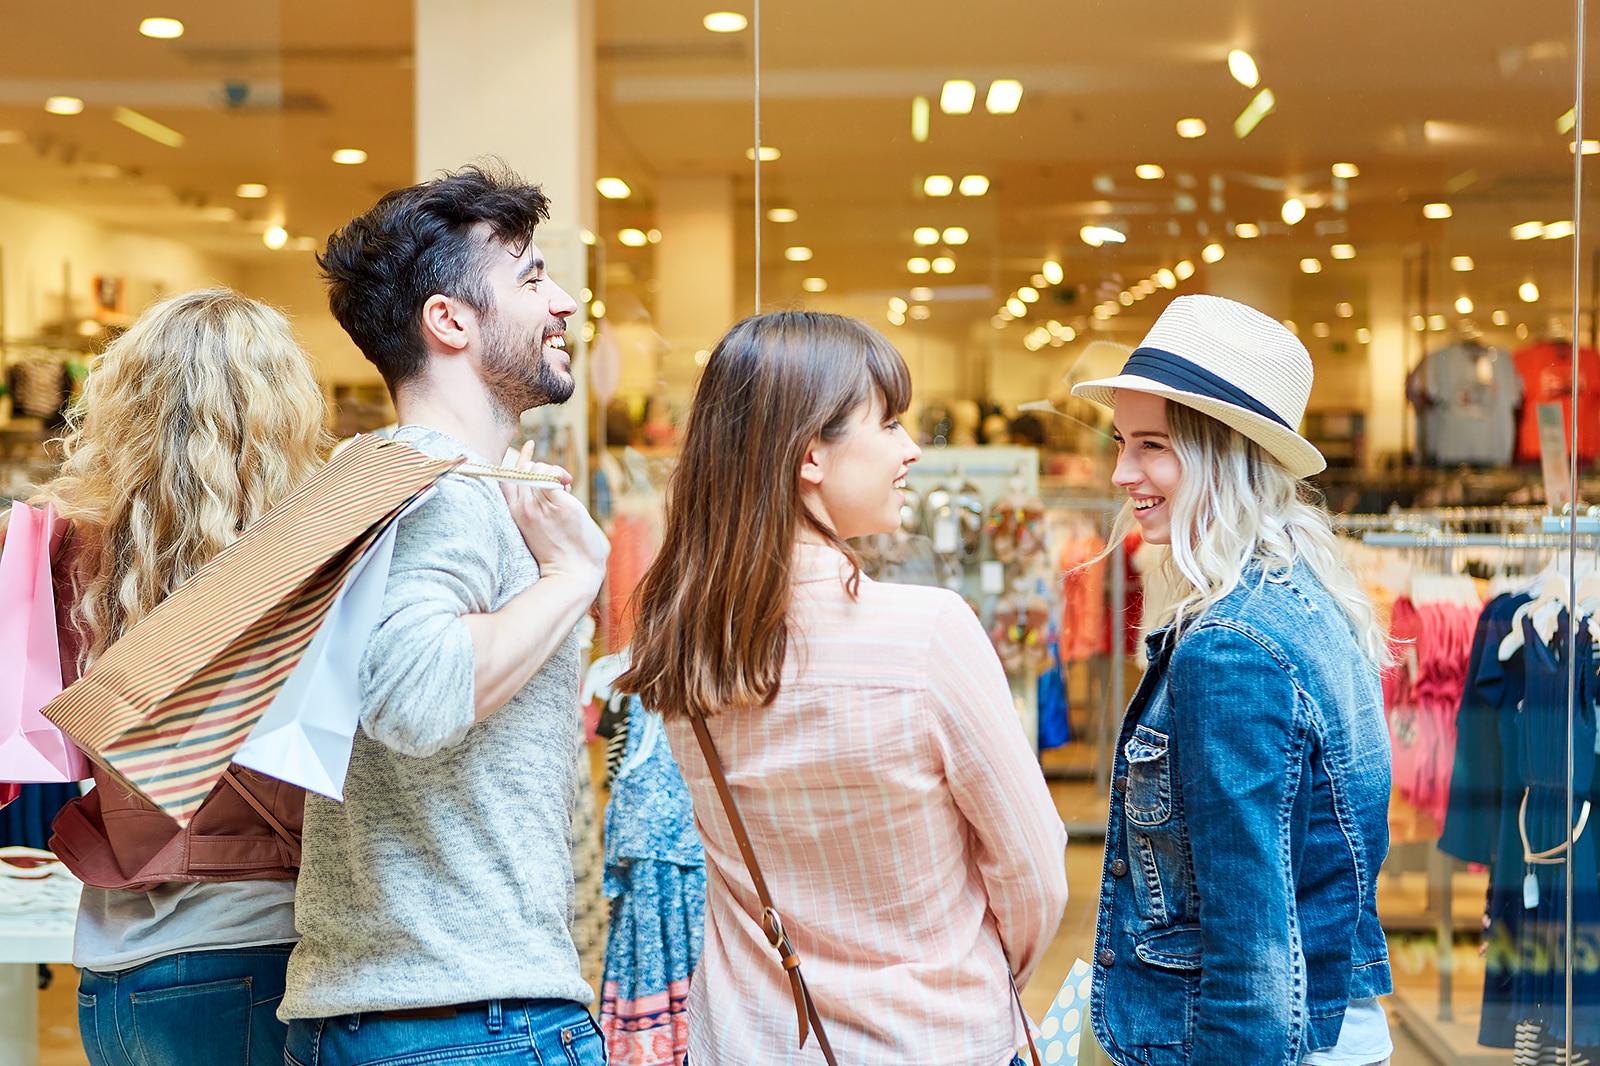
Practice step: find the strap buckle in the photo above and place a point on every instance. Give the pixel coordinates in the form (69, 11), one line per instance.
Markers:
(772, 925)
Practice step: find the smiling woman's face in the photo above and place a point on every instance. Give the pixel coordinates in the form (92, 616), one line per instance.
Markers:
(1147, 467)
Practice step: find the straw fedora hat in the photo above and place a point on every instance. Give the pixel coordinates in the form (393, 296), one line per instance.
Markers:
(1231, 362)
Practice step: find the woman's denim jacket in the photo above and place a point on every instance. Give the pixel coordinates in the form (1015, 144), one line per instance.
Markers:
(1248, 821)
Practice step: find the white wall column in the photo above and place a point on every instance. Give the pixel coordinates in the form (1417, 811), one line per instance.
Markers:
(533, 106)
(1389, 419)
(694, 271)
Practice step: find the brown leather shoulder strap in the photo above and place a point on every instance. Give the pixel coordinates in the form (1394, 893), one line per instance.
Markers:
(249, 797)
(771, 922)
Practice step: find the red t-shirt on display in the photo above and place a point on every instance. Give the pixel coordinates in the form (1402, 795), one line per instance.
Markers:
(1546, 372)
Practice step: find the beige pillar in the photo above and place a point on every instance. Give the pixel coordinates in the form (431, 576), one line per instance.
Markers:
(1389, 419)
(515, 79)
(694, 272)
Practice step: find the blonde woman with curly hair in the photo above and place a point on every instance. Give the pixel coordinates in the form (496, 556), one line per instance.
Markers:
(1249, 805)
(191, 426)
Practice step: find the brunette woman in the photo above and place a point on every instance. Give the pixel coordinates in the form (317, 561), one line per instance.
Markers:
(1249, 811)
(910, 846)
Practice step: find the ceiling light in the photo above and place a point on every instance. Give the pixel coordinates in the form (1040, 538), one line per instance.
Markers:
(1500, 318)
(971, 185)
(1125, 298)
(1038, 281)
(1437, 323)
(1294, 209)
(1150, 171)
(1028, 294)
(1247, 230)
(920, 312)
(1419, 323)
(1344, 309)
(782, 214)
(613, 188)
(768, 154)
(956, 235)
(1461, 263)
(1166, 279)
(275, 237)
(922, 294)
(939, 185)
(1363, 335)
(1310, 265)
(597, 309)
(1190, 128)
(1016, 307)
(1095, 236)
(1528, 292)
(1557, 230)
(944, 265)
(161, 28)
(1321, 329)
(999, 321)
(1527, 231)
(1004, 96)
(585, 294)
(1463, 305)
(587, 237)
(1256, 110)
(349, 156)
(146, 126)
(1436, 211)
(918, 265)
(1147, 287)
(797, 253)
(925, 235)
(1052, 272)
(957, 96)
(1346, 170)
(1243, 68)
(897, 318)
(897, 304)
(1184, 269)
(653, 235)
(814, 285)
(724, 22)
(1589, 147)
(1565, 123)
(250, 191)
(1292, 326)
(1212, 253)
(634, 238)
(1343, 251)
(919, 119)
(64, 105)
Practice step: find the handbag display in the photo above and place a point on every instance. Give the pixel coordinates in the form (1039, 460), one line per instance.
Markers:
(32, 749)
(805, 1007)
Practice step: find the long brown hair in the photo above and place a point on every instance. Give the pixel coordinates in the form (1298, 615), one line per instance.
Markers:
(712, 629)
(191, 426)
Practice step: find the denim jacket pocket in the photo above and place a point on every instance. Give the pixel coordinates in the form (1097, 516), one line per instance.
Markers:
(1149, 797)
(1177, 948)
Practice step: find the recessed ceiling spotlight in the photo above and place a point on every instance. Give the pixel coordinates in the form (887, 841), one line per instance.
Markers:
(1346, 170)
(1150, 171)
(955, 235)
(1052, 272)
(939, 185)
(1212, 253)
(797, 253)
(1321, 329)
(613, 188)
(897, 304)
(1461, 263)
(782, 214)
(275, 237)
(1363, 335)
(1166, 278)
(349, 156)
(64, 105)
(1028, 294)
(768, 154)
(922, 294)
(918, 264)
(161, 28)
(1311, 265)
(944, 265)
(1500, 318)
(1436, 211)
(1344, 309)
(1184, 269)
(814, 285)
(925, 235)
(1257, 109)
(633, 238)
(1527, 231)
(1557, 230)
(1004, 96)
(724, 22)
(957, 96)
(1243, 68)
(1247, 230)
(1190, 128)
(1343, 251)
(1294, 209)
(971, 185)
(1016, 307)
(250, 191)
(1463, 305)
(1528, 292)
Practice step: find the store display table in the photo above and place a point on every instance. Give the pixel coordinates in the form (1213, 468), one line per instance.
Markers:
(38, 905)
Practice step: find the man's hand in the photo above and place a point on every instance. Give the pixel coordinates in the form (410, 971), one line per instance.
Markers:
(558, 530)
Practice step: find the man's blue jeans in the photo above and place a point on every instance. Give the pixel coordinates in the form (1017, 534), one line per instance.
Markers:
(195, 1008)
(535, 1032)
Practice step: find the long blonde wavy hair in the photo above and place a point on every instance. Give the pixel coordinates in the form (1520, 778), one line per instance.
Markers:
(191, 426)
(1234, 506)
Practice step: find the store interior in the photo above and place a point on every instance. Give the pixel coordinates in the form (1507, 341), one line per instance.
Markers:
(1011, 194)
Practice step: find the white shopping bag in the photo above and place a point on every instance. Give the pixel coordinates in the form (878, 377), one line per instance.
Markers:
(304, 736)
(1061, 1033)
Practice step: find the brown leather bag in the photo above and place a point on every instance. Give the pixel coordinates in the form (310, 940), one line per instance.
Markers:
(805, 1007)
(248, 828)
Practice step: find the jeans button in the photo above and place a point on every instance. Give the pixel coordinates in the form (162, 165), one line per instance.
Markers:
(1119, 868)
(1107, 956)
(1120, 784)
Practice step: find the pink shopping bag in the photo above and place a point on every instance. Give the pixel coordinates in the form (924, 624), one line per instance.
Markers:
(32, 749)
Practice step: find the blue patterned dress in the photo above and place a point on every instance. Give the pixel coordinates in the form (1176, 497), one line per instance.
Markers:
(656, 881)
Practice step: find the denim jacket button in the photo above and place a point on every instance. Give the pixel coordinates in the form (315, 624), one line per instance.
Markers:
(1119, 868)
(1120, 784)
(1107, 956)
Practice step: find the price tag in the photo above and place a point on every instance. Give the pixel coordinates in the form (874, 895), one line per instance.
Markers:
(947, 534)
(1530, 890)
(992, 575)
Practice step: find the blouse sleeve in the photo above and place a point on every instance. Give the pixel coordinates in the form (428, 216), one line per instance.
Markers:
(1018, 840)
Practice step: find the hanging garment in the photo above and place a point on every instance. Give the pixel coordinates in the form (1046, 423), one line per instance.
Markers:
(656, 879)
(1467, 397)
(1422, 696)
(1084, 632)
(1055, 724)
(1546, 371)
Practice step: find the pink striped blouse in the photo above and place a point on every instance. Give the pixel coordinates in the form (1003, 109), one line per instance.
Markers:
(903, 827)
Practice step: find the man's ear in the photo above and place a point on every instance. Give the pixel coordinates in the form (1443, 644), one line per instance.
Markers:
(447, 325)
(813, 462)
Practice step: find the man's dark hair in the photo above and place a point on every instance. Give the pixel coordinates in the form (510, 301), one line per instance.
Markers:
(415, 243)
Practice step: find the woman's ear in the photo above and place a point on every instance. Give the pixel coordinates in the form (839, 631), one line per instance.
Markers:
(447, 324)
(814, 462)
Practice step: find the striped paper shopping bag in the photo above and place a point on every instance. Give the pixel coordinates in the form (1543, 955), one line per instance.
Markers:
(167, 705)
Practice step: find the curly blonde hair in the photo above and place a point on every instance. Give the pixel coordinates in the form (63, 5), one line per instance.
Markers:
(191, 426)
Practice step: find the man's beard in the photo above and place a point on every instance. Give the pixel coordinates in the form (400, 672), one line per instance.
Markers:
(517, 374)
